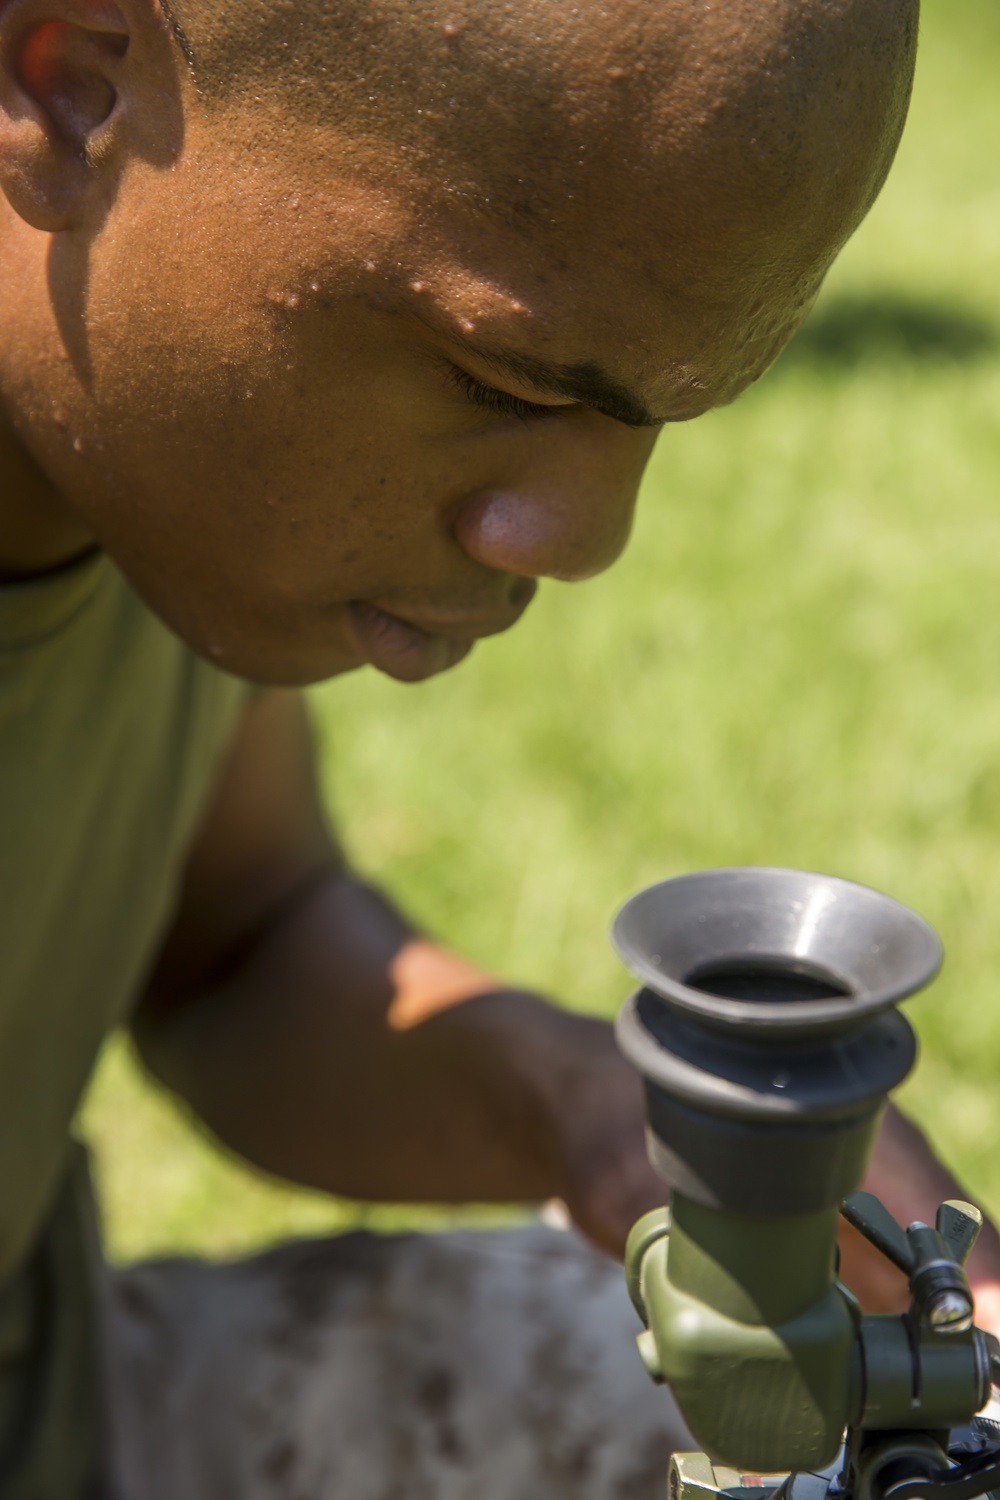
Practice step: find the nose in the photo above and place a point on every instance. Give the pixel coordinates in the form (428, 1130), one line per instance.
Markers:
(536, 535)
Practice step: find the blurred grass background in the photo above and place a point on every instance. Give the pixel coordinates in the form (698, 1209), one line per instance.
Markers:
(797, 662)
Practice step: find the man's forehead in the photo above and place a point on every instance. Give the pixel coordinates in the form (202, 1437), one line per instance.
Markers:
(615, 323)
(662, 136)
(608, 313)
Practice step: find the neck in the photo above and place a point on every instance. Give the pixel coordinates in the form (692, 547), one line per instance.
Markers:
(39, 530)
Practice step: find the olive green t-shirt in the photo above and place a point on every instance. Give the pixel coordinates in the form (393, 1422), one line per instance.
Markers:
(111, 736)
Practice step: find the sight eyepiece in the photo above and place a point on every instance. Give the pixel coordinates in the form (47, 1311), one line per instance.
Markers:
(766, 1031)
(767, 1036)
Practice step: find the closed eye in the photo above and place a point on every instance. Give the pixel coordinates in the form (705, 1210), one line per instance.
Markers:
(490, 398)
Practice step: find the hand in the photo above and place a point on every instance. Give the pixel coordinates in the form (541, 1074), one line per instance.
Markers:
(987, 1295)
(596, 1139)
(911, 1182)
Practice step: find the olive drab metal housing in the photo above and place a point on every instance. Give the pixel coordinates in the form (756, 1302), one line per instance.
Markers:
(767, 1036)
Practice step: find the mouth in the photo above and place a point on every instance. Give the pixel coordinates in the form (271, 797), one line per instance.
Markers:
(399, 649)
(411, 652)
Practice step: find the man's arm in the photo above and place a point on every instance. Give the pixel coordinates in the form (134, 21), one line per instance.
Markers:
(321, 1037)
(324, 1039)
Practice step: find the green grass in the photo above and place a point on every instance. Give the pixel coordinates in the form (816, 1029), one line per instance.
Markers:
(797, 662)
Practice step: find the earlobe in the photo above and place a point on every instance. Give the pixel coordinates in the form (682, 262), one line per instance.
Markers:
(60, 72)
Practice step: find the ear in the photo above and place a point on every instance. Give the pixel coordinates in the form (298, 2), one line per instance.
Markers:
(61, 71)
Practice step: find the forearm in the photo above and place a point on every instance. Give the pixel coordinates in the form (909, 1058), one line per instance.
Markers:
(341, 1054)
(318, 1035)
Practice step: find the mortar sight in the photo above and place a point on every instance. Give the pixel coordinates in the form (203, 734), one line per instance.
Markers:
(768, 1038)
(766, 1030)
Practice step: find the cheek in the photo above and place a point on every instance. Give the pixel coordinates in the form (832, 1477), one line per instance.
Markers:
(239, 394)
(297, 477)
(309, 438)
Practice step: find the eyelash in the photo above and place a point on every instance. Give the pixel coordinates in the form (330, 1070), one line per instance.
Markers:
(488, 398)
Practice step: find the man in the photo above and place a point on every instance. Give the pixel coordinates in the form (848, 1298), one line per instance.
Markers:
(328, 327)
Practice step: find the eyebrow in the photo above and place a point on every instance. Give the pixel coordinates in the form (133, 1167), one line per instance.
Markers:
(585, 383)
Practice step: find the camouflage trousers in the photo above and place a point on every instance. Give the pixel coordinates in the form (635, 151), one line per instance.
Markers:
(460, 1366)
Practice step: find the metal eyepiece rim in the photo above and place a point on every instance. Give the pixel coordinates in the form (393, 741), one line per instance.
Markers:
(860, 1003)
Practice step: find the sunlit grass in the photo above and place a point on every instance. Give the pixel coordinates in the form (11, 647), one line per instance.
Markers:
(797, 662)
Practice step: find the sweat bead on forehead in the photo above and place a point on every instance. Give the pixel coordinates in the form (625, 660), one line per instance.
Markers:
(764, 126)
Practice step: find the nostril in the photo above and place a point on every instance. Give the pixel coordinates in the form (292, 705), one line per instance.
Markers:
(521, 592)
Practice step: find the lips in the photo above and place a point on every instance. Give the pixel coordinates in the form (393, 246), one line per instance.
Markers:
(399, 649)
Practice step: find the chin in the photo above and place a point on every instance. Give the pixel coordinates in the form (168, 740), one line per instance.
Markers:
(269, 665)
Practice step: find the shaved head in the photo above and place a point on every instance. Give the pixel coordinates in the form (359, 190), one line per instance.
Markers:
(780, 106)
